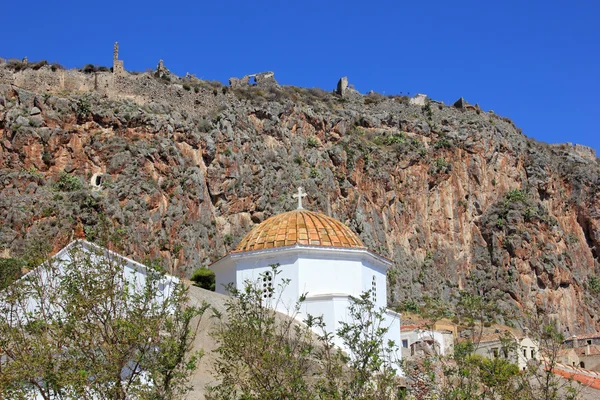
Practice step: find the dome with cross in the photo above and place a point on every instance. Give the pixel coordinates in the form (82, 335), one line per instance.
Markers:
(299, 227)
(316, 258)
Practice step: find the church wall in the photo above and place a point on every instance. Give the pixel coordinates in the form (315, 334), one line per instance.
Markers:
(368, 272)
(333, 309)
(92, 256)
(326, 275)
(224, 276)
(251, 269)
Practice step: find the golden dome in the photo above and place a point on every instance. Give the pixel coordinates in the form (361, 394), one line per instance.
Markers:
(299, 227)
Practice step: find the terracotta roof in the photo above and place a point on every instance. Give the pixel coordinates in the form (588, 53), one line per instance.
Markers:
(301, 227)
(583, 337)
(583, 376)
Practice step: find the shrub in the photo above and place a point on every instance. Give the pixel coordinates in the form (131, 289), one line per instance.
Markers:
(68, 183)
(314, 173)
(16, 65)
(83, 108)
(395, 138)
(409, 306)
(515, 195)
(204, 278)
(443, 143)
(594, 284)
(187, 86)
(56, 66)
(93, 335)
(39, 64)
(47, 158)
(313, 142)
(261, 355)
(88, 69)
(572, 238)
(10, 271)
(440, 166)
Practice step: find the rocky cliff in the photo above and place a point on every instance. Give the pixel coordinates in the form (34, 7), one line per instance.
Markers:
(179, 169)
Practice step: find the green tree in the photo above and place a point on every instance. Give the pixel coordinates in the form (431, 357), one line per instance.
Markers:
(10, 271)
(263, 355)
(80, 328)
(204, 278)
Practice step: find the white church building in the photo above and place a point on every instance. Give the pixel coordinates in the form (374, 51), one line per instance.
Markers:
(320, 256)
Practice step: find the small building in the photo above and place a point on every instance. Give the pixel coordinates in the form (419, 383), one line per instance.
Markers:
(422, 339)
(582, 351)
(88, 257)
(494, 346)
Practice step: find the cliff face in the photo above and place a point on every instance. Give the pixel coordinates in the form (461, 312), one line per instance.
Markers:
(181, 170)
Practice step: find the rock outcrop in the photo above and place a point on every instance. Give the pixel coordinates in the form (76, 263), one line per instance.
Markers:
(458, 198)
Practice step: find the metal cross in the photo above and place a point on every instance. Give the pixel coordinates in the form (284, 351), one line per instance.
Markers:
(300, 195)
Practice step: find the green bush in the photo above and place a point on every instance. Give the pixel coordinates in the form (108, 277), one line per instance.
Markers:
(39, 64)
(395, 138)
(594, 284)
(10, 271)
(88, 69)
(68, 183)
(439, 166)
(204, 278)
(410, 306)
(312, 141)
(515, 195)
(83, 108)
(443, 143)
(263, 356)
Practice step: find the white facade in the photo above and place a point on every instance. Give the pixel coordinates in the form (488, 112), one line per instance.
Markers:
(88, 255)
(417, 342)
(526, 349)
(327, 276)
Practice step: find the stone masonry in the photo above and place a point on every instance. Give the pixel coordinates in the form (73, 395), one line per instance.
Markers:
(118, 68)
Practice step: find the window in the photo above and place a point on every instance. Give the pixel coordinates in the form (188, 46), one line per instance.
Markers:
(495, 352)
(532, 353)
(581, 364)
(405, 343)
(267, 280)
(525, 353)
(589, 341)
(374, 288)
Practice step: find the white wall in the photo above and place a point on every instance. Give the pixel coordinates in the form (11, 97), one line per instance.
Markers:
(327, 276)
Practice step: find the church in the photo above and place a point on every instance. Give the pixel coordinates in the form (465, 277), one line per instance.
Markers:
(320, 256)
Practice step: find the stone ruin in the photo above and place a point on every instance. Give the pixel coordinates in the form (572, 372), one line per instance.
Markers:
(583, 151)
(345, 90)
(342, 86)
(118, 68)
(462, 104)
(161, 70)
(262, 79)
(419, 99)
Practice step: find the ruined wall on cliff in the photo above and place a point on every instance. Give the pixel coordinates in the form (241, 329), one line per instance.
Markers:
(458, 198)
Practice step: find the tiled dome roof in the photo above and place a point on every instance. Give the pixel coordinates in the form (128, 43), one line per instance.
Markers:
(299, 227)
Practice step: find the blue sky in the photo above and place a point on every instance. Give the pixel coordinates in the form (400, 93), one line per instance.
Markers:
(536, 62)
